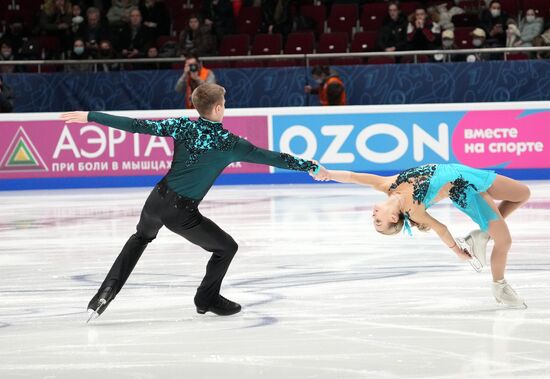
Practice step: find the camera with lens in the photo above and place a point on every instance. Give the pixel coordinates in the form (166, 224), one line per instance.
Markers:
(193, 67)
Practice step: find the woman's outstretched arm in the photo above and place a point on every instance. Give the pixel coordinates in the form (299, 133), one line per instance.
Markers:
(380, 183)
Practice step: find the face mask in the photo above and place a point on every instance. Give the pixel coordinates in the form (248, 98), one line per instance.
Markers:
(78, 19)
(78, 50)
(318, 81)
(495, 12)
(6, 54)
(447, 42)
(105, 52)
(477, 42)
(529, 18)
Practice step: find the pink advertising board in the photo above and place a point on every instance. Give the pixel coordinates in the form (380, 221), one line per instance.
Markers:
(52, 149)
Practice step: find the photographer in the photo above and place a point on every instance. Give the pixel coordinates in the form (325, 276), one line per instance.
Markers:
(194, 74)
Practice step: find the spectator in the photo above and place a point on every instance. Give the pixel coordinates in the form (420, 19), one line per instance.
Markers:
(55, 20)
(422, 32)
(6, 97)
(155, 17)
(448, 43)
(493, 21)
(478, 40)
(197, 38)
(119, 13)
(135, 37)
(16, 32)
(7, 54)
(153, 52)
(80, 52)
(276, 16)
(529, 27)
(543, 40)
(106, 51)
(194, 74)
(393, 34)
(218, 15)
(331, 89)
(77, 19)
(93, 30)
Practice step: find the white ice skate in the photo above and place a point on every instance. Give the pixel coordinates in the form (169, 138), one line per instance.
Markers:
(476, 244)
(504, 294)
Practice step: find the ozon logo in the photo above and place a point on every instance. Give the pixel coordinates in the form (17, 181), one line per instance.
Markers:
(341, 137)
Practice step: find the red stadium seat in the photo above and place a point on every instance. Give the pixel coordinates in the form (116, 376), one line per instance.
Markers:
(249, 20)
(317, 14)
(373, 16)
(364, 41)
(300, 43)
(333, 43)
(510, 6)
(463, 38)
(237, 44)
(517, 56)
(408, 8)
(466, 19)
(343, 18)
(541, 7)
(381, 60)
(267, 44)
(346, 61)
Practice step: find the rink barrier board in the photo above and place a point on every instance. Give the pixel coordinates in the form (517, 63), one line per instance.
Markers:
(510, 138)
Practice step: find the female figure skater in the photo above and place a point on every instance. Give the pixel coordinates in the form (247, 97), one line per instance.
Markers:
(473, 191)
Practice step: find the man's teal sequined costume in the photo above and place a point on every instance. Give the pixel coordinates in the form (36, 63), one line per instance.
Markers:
(202, 149)
(467, 184)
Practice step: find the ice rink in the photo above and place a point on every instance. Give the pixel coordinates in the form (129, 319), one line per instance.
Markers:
(323, 295)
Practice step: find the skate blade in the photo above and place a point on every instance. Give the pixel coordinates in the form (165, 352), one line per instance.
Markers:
(511, 306)
(95, 314)
(476, 264)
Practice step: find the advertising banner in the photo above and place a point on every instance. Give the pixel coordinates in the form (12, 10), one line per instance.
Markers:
(53, 149)
(498, 139)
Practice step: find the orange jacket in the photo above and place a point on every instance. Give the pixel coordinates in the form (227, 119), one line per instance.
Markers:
(323, 91)
(203, 74)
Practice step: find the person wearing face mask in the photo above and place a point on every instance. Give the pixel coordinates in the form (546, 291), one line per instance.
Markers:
(478, 40)
(493, 22)
(529, 27)
(331, 89)
(79, 53)
(448, 43)
(77, 18)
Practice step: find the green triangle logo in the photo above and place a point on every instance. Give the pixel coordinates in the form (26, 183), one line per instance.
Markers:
(21, 155)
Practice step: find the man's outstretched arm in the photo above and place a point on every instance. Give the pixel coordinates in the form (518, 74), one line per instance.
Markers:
(167, 127)
(247, 152)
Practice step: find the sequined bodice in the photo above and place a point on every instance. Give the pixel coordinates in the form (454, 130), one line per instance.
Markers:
(421, 178)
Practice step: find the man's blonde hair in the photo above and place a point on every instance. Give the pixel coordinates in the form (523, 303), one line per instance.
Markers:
(206, 96)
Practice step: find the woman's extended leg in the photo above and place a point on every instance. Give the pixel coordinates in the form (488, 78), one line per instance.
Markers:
(512, 193)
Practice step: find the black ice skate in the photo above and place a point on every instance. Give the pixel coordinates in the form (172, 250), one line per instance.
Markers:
(99, 302)
(221, 306)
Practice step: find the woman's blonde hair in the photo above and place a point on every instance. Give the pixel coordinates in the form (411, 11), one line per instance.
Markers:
(396, 227)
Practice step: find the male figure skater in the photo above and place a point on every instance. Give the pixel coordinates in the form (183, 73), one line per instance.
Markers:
(202, 149)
